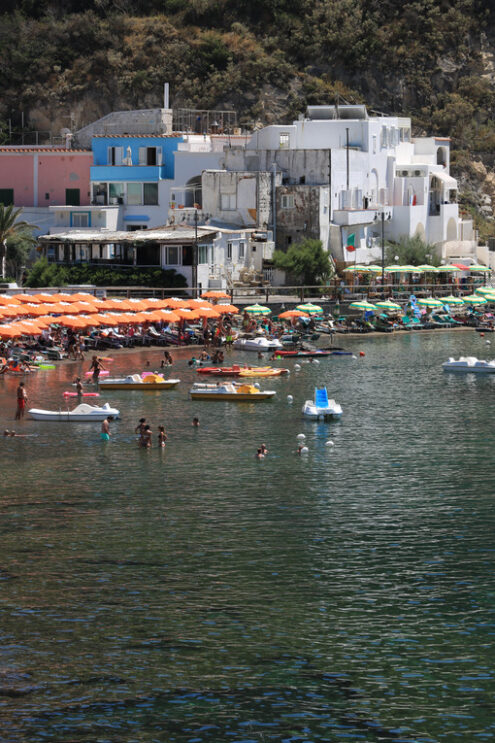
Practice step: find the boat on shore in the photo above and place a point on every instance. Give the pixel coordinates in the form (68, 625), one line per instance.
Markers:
(242, 371)
(145, 383)
(469, 365)
(259, 343)
(320, 407)
(229, 392)
(81, 413)
(301, 353)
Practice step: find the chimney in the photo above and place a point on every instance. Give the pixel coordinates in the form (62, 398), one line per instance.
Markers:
(165, 96)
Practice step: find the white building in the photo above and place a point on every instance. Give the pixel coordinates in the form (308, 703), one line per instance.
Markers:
(342, 176)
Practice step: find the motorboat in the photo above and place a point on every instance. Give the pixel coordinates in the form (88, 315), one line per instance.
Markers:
(146, 383)
(257, 343)
(321, 407)
(243, 371)
(229, 391)
(469, 364)
(301, 353)
(82, 412)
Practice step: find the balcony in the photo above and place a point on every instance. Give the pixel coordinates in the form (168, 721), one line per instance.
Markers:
(349, 217)
(111, 173)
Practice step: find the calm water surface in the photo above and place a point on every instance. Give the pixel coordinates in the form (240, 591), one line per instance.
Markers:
(197, 594)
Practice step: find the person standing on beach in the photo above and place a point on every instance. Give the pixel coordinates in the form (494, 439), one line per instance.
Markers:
(21, 401)
(79, 387)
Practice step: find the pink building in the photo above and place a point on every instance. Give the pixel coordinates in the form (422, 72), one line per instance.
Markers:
(44, 176)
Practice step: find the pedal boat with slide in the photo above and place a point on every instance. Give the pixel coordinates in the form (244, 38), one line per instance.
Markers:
(320, 407)
(228, 391)
(145, 383)
(242, 371)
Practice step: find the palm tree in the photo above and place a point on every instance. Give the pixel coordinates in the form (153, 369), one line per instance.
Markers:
(9, 227)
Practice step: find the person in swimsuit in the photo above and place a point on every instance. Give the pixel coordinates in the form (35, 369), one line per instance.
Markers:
(96, 367)
(195, 422)
(21, 401)
(162, 436)
(79, 387)
(105, 428)
(145, 438)
(140, 426)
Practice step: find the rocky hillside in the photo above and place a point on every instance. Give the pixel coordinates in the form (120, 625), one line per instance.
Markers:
(67, 62)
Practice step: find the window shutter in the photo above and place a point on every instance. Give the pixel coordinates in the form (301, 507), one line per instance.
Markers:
(159, 156)
(109, 155)
(142, 156)
(119, 154)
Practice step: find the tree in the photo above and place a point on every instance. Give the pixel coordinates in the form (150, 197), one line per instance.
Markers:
(306, 261)
(412, 251)
(10, 228)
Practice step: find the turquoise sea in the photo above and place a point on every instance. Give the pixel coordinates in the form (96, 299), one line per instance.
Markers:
(197, 594)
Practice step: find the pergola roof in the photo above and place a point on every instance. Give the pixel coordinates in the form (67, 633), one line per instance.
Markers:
(168, 235)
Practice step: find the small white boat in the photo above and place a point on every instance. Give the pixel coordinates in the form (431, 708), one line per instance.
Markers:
(257, 344)
(82, 412)
(321, 407)
(468, 365)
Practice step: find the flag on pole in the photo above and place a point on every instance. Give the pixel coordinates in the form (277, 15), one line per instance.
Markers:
(350, 242)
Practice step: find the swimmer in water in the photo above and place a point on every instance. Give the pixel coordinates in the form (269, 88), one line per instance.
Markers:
(145, 438)
(259, 454)
(79, 387)
(105, 428)
(140, 426)
(162, 436)
(264, 449)
(195, 422)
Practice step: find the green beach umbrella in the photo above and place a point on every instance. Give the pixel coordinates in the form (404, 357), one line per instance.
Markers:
(362, 305)
(478, 267)
(311, 309)
(257, 309)
(393, 269)
(449, 267)
(430, 302)
(485, 291)
(355, 269)
(426, 268)
(374, 269)
(451, 300)
(475, 299)
(388, 305)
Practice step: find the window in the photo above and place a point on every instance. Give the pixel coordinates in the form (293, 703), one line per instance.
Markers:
(203, 254)
(6, 196)
(134, 194)
(374, 144)
(288, 201)
(80, 219)
(100, 193)
(135, 227)
(284, 140)
(228, 201)
(150, 194)
(172, 255)
(229, 251)
(116, 193)
(150, 155)
(115, 155)
(72, 197)
(241, 250)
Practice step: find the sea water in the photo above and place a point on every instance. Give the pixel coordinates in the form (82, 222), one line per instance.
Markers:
(196, 593)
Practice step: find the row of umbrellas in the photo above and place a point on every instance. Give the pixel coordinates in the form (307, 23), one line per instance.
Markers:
(472, 300)
(79, 311)
(426, 268)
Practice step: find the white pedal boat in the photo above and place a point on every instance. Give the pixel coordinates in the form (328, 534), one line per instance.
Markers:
(469, 364)
(321, 407)
(257, 344)
(137, 382)
(228, 391)
(82, 412)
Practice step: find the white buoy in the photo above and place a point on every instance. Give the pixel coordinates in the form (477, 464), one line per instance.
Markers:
(315, 361)
(297, 367)
(354, 357)
(305, 361)
(488, 342)
(257, 385)
(304, 450)
(290, 399)
(301, 436)
(329, 443)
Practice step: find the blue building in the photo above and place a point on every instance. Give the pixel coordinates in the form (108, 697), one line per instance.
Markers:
(134, 172)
